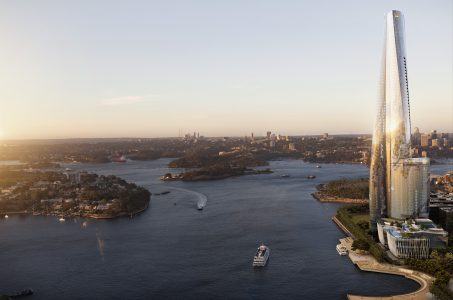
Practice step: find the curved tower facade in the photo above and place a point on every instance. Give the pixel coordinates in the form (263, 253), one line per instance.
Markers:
(391, 185)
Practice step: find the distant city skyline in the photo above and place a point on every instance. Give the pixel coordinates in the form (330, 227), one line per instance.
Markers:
(161, 68)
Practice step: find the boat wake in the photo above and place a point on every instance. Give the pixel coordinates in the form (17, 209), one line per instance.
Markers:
(201, 198)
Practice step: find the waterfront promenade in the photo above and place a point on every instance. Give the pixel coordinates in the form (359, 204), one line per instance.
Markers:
(367, 262)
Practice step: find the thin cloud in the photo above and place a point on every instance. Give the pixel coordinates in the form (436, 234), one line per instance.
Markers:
(125, 100)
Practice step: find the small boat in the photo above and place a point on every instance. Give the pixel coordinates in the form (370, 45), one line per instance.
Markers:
(61, 219)
(163, 193)
(342, 250)
(119, 159)
(285, 176)
(261, 256)
(311, 176)
(6, 216)
(200, 206)
(85, 224)
(318, 166)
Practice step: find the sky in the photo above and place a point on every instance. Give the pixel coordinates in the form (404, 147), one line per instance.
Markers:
(92, 68)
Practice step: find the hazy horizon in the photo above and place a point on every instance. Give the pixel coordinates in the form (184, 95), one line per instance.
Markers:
(149, 69)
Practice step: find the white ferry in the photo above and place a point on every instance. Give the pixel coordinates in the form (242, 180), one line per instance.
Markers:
(261, 256)
(342, 250)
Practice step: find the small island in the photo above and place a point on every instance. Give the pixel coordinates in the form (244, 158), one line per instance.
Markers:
(354, 191)
(69, 194)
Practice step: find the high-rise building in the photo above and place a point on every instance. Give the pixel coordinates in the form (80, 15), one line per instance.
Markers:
(398, 184)
(416, 136)
(424, 140)
(437, 143)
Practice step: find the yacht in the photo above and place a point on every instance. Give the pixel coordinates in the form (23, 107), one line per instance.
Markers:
(6, 216)
(342, 250)
(261, 256)
(61, 219)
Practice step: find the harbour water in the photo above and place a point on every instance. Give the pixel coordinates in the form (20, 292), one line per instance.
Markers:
(173, 249)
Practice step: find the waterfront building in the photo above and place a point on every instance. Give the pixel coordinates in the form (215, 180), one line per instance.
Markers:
(411, 238)
(416, 247)
(410, 189)
(398, 183)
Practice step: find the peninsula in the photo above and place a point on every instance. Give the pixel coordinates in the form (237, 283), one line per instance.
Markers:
(68, 194)
(354, 191)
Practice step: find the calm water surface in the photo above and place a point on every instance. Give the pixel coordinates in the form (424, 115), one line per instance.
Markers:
(175, 251)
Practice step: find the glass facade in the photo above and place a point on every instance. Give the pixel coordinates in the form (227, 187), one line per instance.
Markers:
(397, 182)
(410, 188)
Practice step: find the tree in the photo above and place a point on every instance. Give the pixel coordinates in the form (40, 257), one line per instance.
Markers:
(439, 286)
(363, 224)
(360, 244)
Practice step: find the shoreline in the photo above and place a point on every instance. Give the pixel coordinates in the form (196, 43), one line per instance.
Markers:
(324, 198)
(87, 216)
(367, 263)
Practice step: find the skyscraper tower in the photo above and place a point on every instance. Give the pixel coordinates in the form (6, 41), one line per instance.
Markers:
(398, 183)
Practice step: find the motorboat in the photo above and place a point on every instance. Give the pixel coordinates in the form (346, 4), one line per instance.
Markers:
(261, 256)
(342, 250)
